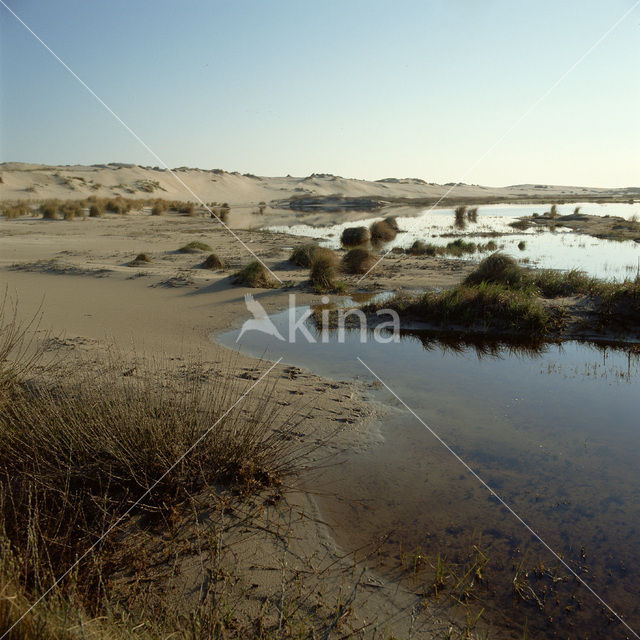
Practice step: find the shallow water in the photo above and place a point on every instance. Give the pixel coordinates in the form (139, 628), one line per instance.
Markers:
(561, 249)
(553, 431)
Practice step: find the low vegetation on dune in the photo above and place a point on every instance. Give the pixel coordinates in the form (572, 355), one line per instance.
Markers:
(255, 275)
(96, 210)
(355, 236)
(213, 262)
(195, 247)
(12, 210)
(358, 261)
(103, 455)
(49, 210)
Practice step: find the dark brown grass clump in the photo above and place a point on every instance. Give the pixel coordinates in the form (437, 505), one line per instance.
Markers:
(305, 254)
(355, 236)
(255, 275)
(358, 261)
(195, 247)
(323, 273)
(213, 262)
(382, 231)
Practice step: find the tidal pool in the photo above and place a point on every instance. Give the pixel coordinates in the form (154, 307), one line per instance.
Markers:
(553, 429)
(561, 249)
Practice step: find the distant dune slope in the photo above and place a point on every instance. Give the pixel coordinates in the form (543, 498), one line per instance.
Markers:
(33, 181)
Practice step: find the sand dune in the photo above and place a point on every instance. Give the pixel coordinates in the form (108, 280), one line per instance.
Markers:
(34, 181)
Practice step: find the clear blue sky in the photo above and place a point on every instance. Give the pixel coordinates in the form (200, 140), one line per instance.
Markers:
(362, 88)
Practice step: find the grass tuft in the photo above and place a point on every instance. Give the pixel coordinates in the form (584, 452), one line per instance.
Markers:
(358, 261)
(355, 236)
(195, 247)
(255, 275)
(383, 231)
(213, 262)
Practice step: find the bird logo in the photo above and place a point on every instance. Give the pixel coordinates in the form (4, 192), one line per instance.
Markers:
(260, 320)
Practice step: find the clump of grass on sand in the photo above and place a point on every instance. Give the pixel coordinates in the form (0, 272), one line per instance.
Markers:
(71, 210)
(140, 260)
(49, 210)
(382, 231)
(12, 210)
(323, 273)
(159, 208)
(256, 275)
(213, 262)
(195, 247)
(96, 210)
(305, 254)
(358, 261)
(355, 236)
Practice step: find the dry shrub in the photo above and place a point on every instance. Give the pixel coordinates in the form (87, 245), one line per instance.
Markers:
(355, 236)
(255, 274)
(213, 262)
(358, 261)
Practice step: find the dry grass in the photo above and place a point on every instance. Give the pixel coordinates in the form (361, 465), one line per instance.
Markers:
(195, 247)
(78, 454)
(358, 261)
(49, 210)
(355, 236)
(305, 254)
(323, 273)
(383, 231)
(96, 210)
(12, 210)
(255, 275)
(213, 262)
(140, 260)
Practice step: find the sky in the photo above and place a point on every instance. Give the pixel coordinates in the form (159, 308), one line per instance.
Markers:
(433, 89)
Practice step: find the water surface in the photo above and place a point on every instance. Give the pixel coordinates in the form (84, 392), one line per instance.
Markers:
(553, 430)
